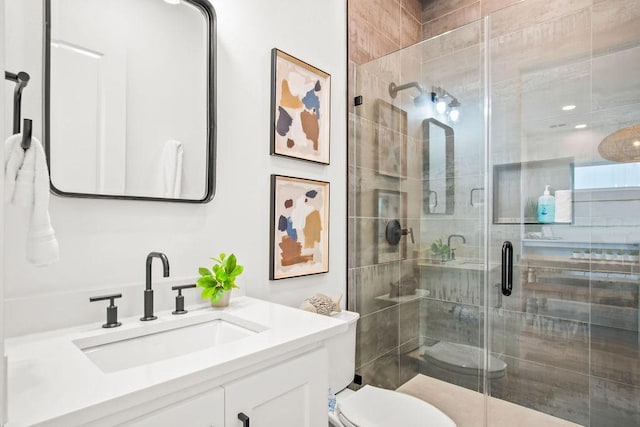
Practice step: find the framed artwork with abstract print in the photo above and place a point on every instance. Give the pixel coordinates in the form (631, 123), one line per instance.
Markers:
(300, 109)
(392, 140)
(299, 227)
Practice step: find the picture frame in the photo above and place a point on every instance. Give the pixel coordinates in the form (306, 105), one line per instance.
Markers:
(299, 227)
(300, 109)
(391, 140)
(390, 205)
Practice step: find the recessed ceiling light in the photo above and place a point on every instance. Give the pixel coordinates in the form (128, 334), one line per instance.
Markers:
(636, 143)
(172, 1)
(569, 107)
(581, 126)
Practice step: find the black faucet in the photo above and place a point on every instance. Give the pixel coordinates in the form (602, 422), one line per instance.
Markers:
(148, 292)
(452, 252)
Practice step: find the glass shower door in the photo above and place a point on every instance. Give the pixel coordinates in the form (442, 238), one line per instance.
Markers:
(567, 335)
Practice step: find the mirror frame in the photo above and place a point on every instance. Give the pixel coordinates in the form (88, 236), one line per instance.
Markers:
(206, 8)
(449, 167)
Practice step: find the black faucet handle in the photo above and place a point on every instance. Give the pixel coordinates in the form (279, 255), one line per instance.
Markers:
(180, 298)
(110, 297)
(112, 309)
(181, 287)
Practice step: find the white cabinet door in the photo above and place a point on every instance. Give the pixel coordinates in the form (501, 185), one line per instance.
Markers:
(290, 394)
(205, 410)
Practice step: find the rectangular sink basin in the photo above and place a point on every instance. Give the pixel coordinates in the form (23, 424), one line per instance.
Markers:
(122, 351)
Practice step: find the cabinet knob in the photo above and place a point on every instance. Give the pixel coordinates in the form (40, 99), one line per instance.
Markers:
(244, 418)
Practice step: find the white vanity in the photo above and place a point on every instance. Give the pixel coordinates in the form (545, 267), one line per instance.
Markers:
(209, 367)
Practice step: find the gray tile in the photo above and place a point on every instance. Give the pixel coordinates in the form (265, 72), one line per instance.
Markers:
(614, 404)
(408, 366)
(615, 354)
(433, 9)
(549, 341)
(444, 321)
(456, 286)
(377, 334)
(453, 20)
(382, 372)
(615, 82)
(563, 394)
(616, 23)
(540, 45)
(532, 12)
(369, 186)
(409, 326)
(372, 282)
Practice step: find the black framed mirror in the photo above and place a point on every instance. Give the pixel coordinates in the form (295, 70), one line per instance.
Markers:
(129, 99)
(438, 170)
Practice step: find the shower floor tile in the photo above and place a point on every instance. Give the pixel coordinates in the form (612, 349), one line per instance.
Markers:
(465, 407)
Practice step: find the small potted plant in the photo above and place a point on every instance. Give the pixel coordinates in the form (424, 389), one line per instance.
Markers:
(218, 282)
(440, 251)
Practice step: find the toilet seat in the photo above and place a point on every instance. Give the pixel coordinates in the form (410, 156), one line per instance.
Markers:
(376, 407)
(462, 359)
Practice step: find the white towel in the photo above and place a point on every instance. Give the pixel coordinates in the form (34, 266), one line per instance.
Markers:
(563, 206)
(172, 168)
(13, 159)
(27, 185)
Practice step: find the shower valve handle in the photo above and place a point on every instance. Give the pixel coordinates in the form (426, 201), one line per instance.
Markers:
(394, 232)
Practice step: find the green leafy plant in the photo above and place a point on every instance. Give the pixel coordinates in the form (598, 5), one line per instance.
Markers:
(439, 249)
(221, 278)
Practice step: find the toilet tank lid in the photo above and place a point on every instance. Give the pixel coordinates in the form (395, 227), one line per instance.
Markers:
(347, 316)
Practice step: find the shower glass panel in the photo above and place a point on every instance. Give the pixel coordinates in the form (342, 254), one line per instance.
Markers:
(537, 90)
(421, 310)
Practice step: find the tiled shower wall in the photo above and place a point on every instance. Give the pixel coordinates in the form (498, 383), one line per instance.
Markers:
(376, 28)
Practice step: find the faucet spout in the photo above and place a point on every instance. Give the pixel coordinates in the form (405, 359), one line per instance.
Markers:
(148, 291)
(452, 252)
(165, 267)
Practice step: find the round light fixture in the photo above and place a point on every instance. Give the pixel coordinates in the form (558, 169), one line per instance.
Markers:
(622, 145)
(441, 106)
(454, 114)
(569, 107)
(581, 126)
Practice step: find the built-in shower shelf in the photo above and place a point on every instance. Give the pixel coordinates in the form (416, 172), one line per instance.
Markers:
(581, 265)
(398, 300)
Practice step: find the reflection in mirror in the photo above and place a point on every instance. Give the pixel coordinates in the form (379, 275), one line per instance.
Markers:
(437, 167)
(129, 98)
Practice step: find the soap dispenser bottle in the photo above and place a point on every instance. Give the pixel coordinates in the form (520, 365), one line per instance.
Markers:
(546, 207)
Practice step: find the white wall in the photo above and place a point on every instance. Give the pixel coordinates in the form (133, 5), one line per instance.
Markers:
(104, 243)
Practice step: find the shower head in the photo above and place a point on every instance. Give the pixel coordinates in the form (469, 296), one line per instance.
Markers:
(422, 97)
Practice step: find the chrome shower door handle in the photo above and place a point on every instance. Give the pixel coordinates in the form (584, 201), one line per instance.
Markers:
(507, 268)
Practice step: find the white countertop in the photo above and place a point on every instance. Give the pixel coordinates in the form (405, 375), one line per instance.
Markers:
(50, 377)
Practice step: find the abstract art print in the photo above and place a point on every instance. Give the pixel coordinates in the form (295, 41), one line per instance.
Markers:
(392, 140)
(299, 227)
(300, 109)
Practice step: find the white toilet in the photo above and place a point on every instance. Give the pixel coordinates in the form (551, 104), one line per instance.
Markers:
(371, 406)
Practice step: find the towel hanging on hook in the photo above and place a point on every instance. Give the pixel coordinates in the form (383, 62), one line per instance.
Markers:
(26, 134)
